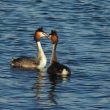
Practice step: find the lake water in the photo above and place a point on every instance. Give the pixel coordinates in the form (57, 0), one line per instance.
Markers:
(83, 27)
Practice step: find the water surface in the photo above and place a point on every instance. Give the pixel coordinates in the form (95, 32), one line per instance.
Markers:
(84, 45)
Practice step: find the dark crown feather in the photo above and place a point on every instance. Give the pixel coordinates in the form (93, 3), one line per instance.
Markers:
(53, 32)
(40, 29)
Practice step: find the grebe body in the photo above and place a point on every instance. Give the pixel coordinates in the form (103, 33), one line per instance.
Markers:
(55, 68)
(39, 61)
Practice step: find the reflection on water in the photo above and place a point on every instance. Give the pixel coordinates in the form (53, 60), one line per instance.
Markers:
(52, 95)
(39, 85)
(46, 91)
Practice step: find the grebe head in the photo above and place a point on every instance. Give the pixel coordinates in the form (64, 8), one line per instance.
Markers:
(39, 34)
(53, 37)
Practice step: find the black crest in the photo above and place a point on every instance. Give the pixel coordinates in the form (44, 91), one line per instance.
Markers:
(53, 32)
(40, 29)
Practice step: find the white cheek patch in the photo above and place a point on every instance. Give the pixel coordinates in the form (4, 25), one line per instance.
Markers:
(64, 72)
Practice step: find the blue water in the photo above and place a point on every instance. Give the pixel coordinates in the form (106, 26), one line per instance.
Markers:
(83, 27)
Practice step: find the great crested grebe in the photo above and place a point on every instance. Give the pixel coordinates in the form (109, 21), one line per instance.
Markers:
(55, 68)
(39, 62)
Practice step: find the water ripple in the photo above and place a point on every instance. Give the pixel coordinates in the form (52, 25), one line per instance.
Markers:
(84, 45)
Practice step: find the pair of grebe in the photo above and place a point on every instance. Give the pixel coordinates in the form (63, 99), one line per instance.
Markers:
(55, 68)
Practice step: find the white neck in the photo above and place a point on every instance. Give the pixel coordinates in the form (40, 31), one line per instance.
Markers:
(53, 56)
(41, 58)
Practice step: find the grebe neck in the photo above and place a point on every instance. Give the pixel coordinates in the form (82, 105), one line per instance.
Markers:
(41, 58)
(39, 47)
(54, 55)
